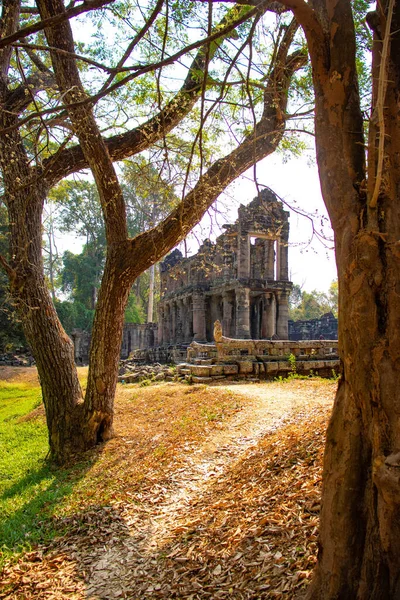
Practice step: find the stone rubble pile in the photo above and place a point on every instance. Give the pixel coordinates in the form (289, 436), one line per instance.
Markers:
(131, 372)
(10, 359)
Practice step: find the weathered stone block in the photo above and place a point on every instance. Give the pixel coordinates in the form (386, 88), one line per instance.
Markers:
(201, 379)
(230, 369)
(216, 370)
(319, 364)
(284, 366)
(332, 364)
(200, 370)
(271, 367)
(246, 366)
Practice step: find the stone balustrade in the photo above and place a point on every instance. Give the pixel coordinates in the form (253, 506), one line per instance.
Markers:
(230, 358)
(265, 349)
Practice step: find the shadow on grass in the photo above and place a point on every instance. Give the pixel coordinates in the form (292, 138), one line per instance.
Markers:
(31, 503)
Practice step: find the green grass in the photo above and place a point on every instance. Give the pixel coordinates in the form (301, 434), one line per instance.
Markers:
(30, 487)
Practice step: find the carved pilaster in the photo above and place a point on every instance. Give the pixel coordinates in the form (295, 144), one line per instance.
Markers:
(160, 329)
(199, 317)
(243, 313)
(227, 314)
(282, 325)
(243, 256)
(284, 262)
(270, 260)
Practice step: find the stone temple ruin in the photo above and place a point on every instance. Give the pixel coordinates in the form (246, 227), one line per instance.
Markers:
(239, 288)
(241, 280)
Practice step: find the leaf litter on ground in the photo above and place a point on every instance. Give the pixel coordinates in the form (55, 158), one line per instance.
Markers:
(198, 496)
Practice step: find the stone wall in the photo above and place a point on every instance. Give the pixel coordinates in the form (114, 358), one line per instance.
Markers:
(135, 336)
(258, 359)
(325, 327)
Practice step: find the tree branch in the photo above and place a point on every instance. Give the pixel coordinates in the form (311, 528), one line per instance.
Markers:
(219, 34)
(72, 54)
(8, 269)
(68, 13)
(135, 41)
(21, 97)
(8, 25)
(263, 141)
(379, 114)
(59, 36)
(132, 142)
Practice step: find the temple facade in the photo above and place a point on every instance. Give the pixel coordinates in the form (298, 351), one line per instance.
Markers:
(240, 280)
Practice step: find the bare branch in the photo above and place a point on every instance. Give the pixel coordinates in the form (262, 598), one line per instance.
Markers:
(74, 11)
(22, 96)
(59, 35)
(221, 33)
(29, 10)
(379, 114)
(8, 269)
(135, 41)
(132, 142)
(71, 54)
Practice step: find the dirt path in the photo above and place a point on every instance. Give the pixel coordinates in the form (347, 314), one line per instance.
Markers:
(129, 563)
(223, 509)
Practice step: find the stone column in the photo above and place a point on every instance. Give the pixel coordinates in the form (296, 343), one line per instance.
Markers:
(227, 314)
(255, 319)
(167, 324)
(199, 317)
(278, 260)
(282, 325)
(187, 322)
(160, 328)
(243, 313)
(173, 322)
(179, 321)
(284, 264)
(243, 256)
(270, 260)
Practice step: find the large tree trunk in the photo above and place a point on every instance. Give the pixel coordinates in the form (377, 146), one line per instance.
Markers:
(51, 347)
(359, 550)
(360, 518)
(106, 348)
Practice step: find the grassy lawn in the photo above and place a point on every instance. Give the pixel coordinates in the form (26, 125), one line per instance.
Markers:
(30, 488)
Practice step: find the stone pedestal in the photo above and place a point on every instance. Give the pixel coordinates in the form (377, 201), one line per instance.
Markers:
(199, 317)
(243, 313)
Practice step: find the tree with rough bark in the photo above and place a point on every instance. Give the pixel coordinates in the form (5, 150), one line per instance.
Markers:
(359, 546)
(53, 120)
